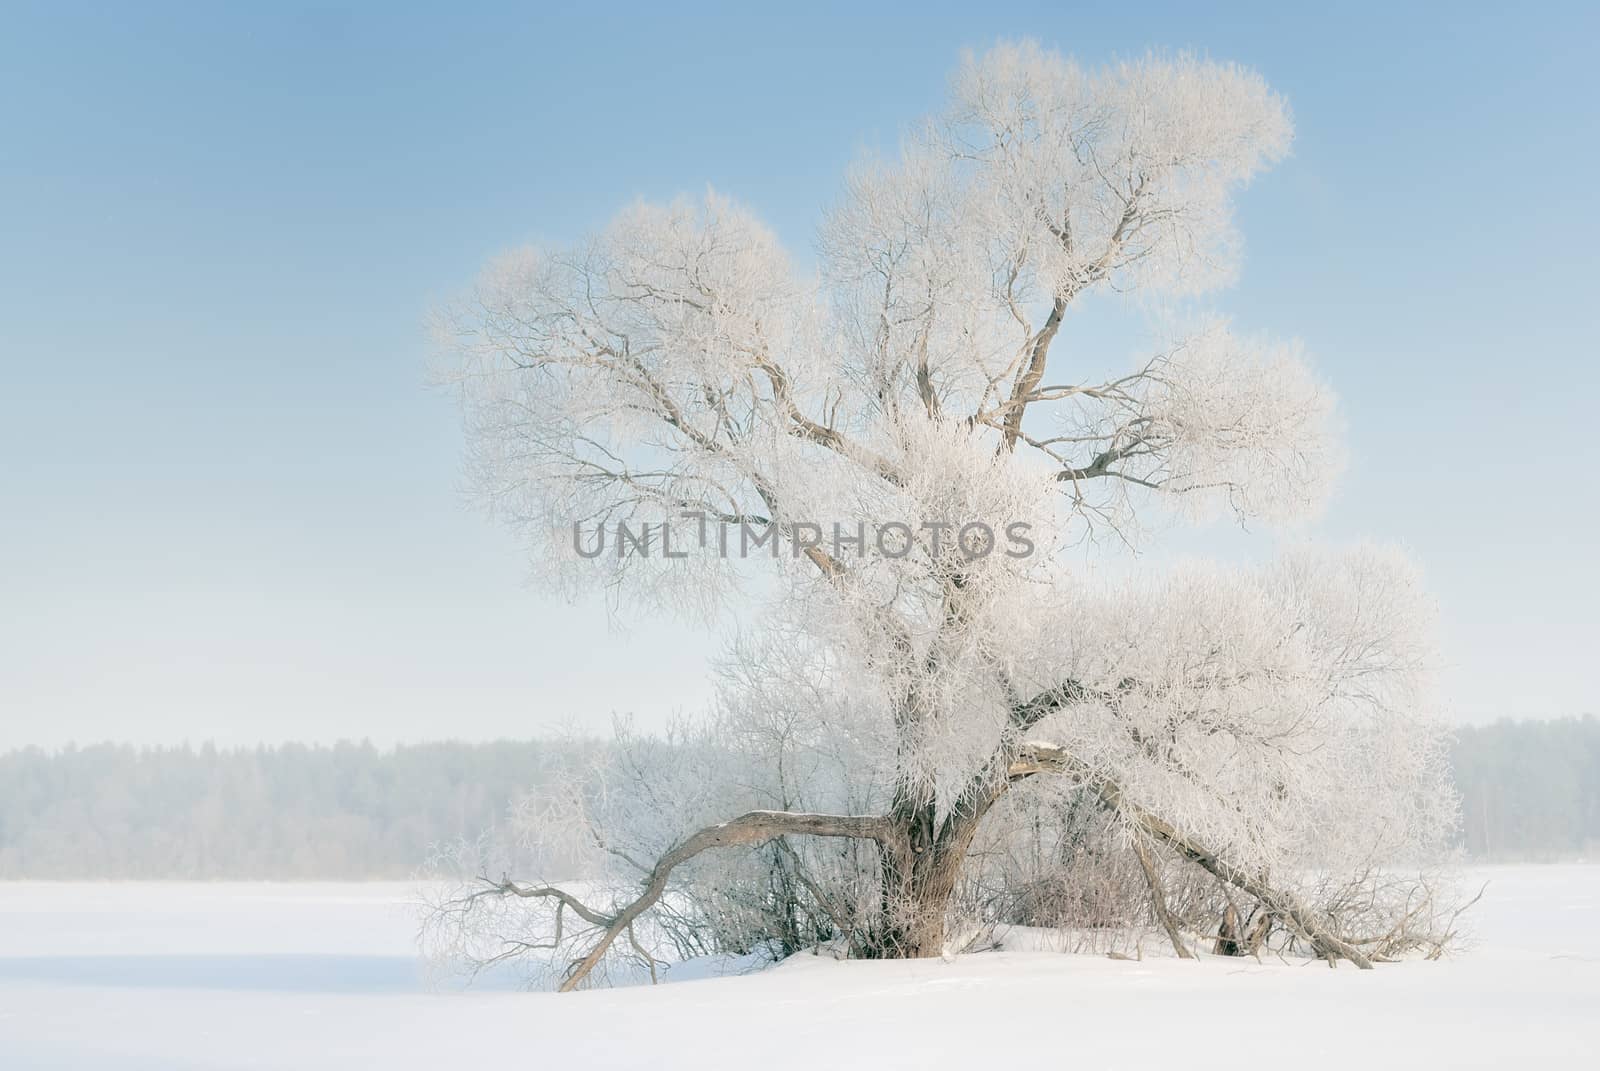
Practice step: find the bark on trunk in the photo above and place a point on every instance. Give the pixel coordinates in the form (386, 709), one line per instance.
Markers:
(920, 865)
(916, 900)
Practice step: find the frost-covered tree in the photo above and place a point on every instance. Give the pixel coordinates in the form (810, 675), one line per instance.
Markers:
(910, 451)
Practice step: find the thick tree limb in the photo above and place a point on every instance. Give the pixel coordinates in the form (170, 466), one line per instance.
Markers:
(1028, 713)
(1032, 373)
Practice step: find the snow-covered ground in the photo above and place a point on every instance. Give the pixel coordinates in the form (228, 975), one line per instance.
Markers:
(182, 977)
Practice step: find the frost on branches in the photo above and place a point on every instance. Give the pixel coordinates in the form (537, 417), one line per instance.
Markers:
(919, 741)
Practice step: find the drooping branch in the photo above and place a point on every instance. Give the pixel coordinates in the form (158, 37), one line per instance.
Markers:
(507, 887)
(1158, 898)
(750, 828)
(1048, 758)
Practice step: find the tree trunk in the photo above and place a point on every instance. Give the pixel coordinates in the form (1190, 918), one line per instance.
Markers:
(920, 865)
(915, 900)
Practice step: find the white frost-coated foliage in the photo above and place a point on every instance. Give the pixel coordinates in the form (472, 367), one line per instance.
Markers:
(620, 381)
(1123, 171)
(1229, 421)
(678, 364)
(1283, 712)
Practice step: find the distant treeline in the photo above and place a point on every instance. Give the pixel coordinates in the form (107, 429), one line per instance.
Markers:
(1530, 791)
(291, 812)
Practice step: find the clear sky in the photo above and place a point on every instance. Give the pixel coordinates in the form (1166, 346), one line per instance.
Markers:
(229, 501)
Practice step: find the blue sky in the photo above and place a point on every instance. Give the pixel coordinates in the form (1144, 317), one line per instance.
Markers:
(229, 502)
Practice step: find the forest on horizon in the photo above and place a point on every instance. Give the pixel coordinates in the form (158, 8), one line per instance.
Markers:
(1530, 791)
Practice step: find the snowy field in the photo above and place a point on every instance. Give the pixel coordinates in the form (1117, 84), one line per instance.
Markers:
(182, 977)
